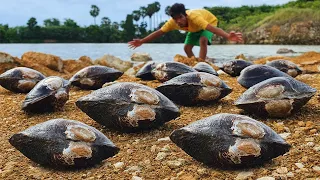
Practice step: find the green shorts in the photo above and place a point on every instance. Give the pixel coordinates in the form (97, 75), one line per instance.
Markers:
(194, 37)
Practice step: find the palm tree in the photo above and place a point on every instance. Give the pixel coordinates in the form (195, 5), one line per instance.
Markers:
(157, 7)
(167, 10)
(105, 21)
(136, 15)
(150, 12)
(94, 12)
(143, 12)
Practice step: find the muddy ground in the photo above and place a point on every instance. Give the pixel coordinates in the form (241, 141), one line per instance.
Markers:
(151, 155)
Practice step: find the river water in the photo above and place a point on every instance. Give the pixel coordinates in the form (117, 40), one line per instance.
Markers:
(159, 52)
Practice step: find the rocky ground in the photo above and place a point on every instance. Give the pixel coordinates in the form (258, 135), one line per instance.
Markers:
(151, 155)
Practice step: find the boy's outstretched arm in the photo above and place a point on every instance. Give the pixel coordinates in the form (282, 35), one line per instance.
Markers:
(138, 42)
(232, 36)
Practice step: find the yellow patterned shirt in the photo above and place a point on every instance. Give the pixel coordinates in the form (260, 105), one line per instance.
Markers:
(198, 19)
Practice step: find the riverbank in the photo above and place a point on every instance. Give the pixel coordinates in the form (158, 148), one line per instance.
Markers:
(151, 155)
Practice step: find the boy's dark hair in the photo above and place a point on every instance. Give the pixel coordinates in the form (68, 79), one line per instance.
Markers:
(177, 9)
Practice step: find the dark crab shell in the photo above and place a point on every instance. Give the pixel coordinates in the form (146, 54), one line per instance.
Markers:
(64, 143)
(49, 94)
(195, 88)
(254, 74)
(145, 72)
(234, 67)
(20, 79)
(128, 107)
(275, 97)
(168, 70)
(286, 66)
(229, 141)
(93, 77)
(205, 67)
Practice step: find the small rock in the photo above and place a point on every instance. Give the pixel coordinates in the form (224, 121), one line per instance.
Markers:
(136, 178)
(176, 163)
(301, 124)
(166, 148)
(299, 165)
(316, 169)
(313, 131)
(161, 156)
(290, 174)
(309, 124)
(316, 148)
(266, 178)
(310, 144)
(118, 165)
(285, 135)
(202, 171)
(133, 169)
(153, 148)
(164, 139)
(309, 139)
(304, 159)
(282, 170)
(244, 175)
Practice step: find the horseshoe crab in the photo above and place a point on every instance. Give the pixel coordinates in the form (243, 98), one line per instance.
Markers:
(145, 72)
(234, 67)
(194, 88)
(254, 74)
(93, 77)
(275, 97)
(205, 67)
(286, 66)
(168, 70)
(49, 94)
(128, 107)
(230, 141)
(64, 143)
(20, 79)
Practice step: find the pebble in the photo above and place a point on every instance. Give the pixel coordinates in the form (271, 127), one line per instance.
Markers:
(285, 135)
(310, 144)
(309, 139)
(166, 148)
(164, 139)
(313, 131)
(299, 165)
(133, 169)
(290, 174)
(153, 148)
(282, 170)
(244, 175)
(175, 163)
(301, 124)
(118, 165)
(136, 178)
(161, 156)
(202, 171)
(316, 169)
(266, 178)
(304, 159)
(317, 148)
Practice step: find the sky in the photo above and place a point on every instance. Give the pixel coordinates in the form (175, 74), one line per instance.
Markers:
(18, 12)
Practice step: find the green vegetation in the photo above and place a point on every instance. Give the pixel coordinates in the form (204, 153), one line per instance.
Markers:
(244, 18)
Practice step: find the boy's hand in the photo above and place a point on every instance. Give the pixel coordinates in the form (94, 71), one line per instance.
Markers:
(233, 36)
(135, 43)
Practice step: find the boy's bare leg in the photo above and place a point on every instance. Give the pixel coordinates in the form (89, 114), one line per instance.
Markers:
(188, 50)
(203, 47)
